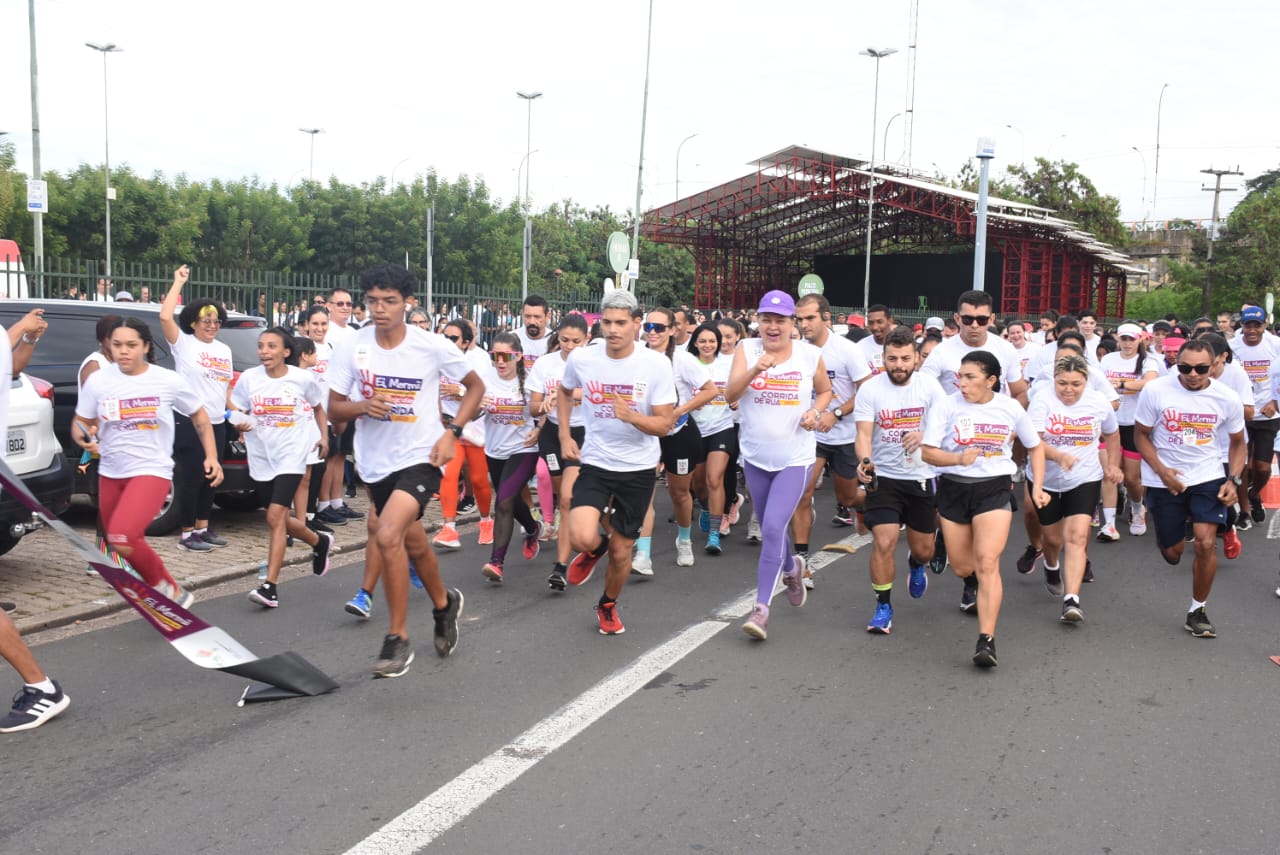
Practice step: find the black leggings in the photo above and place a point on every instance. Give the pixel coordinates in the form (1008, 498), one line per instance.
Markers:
(508, 478)
(195, 493)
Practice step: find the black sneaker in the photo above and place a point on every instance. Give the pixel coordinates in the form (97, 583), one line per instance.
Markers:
(556, 580)
(395, 658)
(1198, 624)
(331, 516)
(1088, 570)
(1053, 581)
(969, 600)
(466, 503)
(1071, 612)
(8, 608)
(32, 708)
(938, 562)
(318, 526)
(214, 539)
(984, 655)
(1027, 561)
(1243, 523)
(265, 595)
(1256, 510)
(320, 553)
(446, 619)
(350, 512)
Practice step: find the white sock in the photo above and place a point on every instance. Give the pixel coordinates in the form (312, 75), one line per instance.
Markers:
(1195, 604)
(1109, 516)
(1053, 569)
(337, 504)
(323, 506)
(45, 685)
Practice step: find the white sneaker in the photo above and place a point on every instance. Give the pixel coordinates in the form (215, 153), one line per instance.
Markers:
(1138, 524)
(754, 535)
(642, 564)
(179, 596)
(1108, 534)
(684, 553)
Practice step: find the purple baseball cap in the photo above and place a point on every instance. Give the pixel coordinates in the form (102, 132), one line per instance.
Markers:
(777, 303)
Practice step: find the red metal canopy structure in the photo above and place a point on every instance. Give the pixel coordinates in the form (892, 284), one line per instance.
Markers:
(764, 230)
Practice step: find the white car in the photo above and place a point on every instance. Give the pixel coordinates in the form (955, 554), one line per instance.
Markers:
(33, 452)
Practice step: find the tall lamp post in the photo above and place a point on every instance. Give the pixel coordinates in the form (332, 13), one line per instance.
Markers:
(1023, 158)
(1144, 179)
(526, 256)
(311, 164)
(877, 55)
(682, 142)
(106, 137)
(1155, 184)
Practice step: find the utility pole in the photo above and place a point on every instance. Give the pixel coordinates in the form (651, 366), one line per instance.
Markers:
(1217, 190)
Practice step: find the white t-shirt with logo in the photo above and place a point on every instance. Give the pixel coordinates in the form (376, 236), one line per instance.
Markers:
(691, 374)
(451, 388)
(1259, 363)
(1025, 354)
(846, 364)
(1098, 382)
(282, 410)
(1117, 367)
(715, 415)
(1075, 430)
(409, 375)
(894, 411)
(507, 417)
(990, 427)
(945, 360)
(644, 378)
(1234, 378)
(135, 418)
(532, 348)
(545, 377)
(336, 334)
(874, 354)
(1186, 428)
(206, 367)
(770, 435)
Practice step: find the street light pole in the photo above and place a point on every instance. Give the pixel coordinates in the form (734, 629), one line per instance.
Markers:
(1144, 180)
(393, 172)
(36, 173)
(1155, 184)
(311, 165)
(644, 116)
(877, 55)
(1023, 159)
(106, 137)
(884, 149)
(682, 142)
(526, 255)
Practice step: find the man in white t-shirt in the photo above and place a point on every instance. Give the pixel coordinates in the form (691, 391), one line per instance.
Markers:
(335, 511)
(1023, 345)
(386, 379)
(1177, 429)
(1259, 355)
(879, 322)
(973, 315)
(628, 402)
(534, 335)
(1088, 321)
(339, 304)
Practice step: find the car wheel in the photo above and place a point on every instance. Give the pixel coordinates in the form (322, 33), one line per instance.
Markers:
(250, 500)
(166, 519)
(7, 541)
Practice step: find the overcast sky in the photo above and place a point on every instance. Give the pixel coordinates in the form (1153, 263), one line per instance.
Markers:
(220, 89)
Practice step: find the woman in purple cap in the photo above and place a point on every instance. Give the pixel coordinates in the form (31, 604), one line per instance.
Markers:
(774, 379)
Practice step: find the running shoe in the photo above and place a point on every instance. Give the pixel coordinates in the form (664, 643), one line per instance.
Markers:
(215, 540)
(726, 527)
(1137, 521)
(1096, 520)
(754, 535)
(1243, 523)
(192, 542)
(757, 626)
(320, 553)
(704, 521)
(448, 537)
(492, 571)
(486, 533)
(1027, 561)
(350, 492)
(446, 623)
(531, 546)
(1198, 624)
(1071, 612)
(938, 562)
(1108, 534)
(610, 623)
(361, 605)
(331, 516)
(466, 504)
(556, 580)
(33, 707)
(713, 543)
(8, 608)
(1256, 510)
(1231, 545)
(1088, 570)
(860, 523)
(175, 593)
(684, 552)
(1053, 581)
(843, 516)
(315, 525)
(414, 578)
(733, 510)
(642, 564)
(797, 593)
(969, 600)
(807, 579)
(984, 655)
(917, 580)
(584, 564)
(350, 512)
(549, 533)
(882, 621)
(265, 596)
(395, 658)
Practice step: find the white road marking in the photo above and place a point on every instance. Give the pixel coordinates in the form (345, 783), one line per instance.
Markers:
(1273, 528)
(421, 824)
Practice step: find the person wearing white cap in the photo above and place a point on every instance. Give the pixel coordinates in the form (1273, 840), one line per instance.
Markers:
(1128, 370)
(1259, 355)
(124, 297)
(934, 323)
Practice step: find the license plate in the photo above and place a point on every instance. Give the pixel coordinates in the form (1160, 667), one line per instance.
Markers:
(17, 443)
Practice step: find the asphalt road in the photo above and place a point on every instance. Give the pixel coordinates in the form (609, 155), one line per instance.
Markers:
(1121, 735)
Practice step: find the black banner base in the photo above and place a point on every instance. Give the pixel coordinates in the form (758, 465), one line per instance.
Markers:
(287, 675)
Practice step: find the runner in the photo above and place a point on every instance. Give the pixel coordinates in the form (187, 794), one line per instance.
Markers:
(511, 439)
(719, 436)
(470, 447)
(335, 511)
(973, 314)
(889, 415)
(1070, 420)
(1178, 425)
(732, 332)
(1228, 373)
(1259, 355)
(773, 377)
(125, 416)
(1129, 369)
(628, 401)
(276, 406)
(970, 441)
(879, 323)
(535, 337)
(387, 379)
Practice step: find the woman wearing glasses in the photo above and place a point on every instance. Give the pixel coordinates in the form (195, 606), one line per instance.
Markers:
(469, 448)
(204, 364)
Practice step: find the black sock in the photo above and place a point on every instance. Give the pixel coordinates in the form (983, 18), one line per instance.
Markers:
(602, 548)
(606, 600)
(269, 586)
(802, 548)
(559, 568)
(971, 581)
(883, 596)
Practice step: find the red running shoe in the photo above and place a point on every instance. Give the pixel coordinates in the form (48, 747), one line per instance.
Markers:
(584, 564)
(1231, 543)
(610, 624)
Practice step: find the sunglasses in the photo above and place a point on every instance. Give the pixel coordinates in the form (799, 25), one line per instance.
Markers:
(454, 338)
(970, 320)
(505, 357)
(655, 327)
(211, 322)
(339, 302)
(1184, 368)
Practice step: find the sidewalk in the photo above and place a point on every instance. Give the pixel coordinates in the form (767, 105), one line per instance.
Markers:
(46, 579)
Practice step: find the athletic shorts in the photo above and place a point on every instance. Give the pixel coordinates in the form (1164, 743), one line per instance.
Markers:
(348, 440)
(843, 459)
(420, 480)
(549, 446)
(961, 501)
(280, 489)
(895, 502)
(1169, 513)
(682, 451)
(630, 493)
(1082, 499)
(725, 442)
(1129, 448)
(1262, 438)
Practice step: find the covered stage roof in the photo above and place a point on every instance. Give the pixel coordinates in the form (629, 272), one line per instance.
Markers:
(766, 229)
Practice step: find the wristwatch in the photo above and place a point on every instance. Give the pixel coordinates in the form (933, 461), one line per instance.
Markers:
(456, 430)
(838, 413)
(1237, 480)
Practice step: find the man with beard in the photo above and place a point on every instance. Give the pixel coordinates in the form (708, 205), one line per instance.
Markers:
(533, 335)
(889, 414)
(879, 322)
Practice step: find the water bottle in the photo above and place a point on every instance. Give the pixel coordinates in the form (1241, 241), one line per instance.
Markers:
(870, 469)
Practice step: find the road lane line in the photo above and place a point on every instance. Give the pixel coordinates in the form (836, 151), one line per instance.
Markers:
(422, 823)
(1273, 528)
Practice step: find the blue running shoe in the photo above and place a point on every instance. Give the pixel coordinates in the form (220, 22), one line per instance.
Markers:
(360, 605)
(413, 577)
(918, 581)
(713, 543)
(704, 521)
(882, 620)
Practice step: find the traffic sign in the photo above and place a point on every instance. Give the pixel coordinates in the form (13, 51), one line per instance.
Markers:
(810, 283)
(37, 196)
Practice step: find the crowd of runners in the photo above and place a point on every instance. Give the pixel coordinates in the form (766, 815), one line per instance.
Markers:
(939, 433)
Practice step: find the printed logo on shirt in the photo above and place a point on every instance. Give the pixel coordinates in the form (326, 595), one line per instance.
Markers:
(132, 413)
(1065, 431)
(216, 367)
(401, 393)
(894, 423)
(876, 364)
(602, 395)
(989, 438)
(1114, 375)
(781, 389)
(1257, 369)
(1188, 428)
(450, 389)
(274, 411)
(505, 411)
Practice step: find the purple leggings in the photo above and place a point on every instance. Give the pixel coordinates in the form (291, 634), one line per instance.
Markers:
(509, 477)
(774, 496)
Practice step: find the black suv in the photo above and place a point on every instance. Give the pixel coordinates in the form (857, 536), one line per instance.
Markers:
(70, 338)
